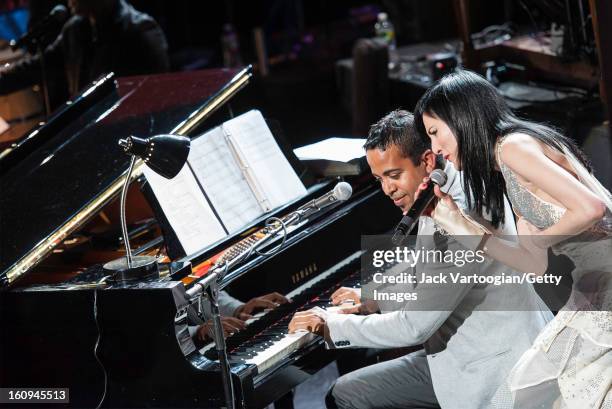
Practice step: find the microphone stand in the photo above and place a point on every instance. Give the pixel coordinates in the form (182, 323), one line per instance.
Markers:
(210, 285)
(44, 83)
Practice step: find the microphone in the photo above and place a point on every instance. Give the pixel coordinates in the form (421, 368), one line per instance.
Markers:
(56, 17)
(342, 191)
(437, 177)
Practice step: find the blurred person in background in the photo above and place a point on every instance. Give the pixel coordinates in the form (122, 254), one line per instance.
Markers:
(101, 36)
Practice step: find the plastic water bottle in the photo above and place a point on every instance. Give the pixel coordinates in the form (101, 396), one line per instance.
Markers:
(386, 33)
(385, 30)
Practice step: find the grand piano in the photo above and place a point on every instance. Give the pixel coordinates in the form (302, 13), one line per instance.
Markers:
(125, 344)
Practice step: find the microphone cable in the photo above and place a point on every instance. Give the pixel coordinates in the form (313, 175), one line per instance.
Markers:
(97, 345)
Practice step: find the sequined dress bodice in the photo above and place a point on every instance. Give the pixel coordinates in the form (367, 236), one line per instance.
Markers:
(535, 210)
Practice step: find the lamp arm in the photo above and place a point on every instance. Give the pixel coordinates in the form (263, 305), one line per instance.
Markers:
(124, 231)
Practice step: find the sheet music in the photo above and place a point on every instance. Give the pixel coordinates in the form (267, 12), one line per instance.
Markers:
(338, 149)
(272, 171)
(4, 126)
(226, 166)
(186, 209)
(216, 169)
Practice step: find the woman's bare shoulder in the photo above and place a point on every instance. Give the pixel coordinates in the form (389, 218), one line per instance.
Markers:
(517, 145)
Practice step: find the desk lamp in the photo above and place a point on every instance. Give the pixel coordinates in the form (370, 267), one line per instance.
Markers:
(165, 155)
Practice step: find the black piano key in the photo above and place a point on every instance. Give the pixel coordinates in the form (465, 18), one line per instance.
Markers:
(237, 361)
(244, 354)
(258, 346)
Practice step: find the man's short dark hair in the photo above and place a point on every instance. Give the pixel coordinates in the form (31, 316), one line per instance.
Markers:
(397, 128)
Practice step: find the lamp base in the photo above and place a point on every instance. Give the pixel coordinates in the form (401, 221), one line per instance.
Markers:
(142, 267)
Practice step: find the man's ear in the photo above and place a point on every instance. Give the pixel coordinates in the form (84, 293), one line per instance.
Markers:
(429, 158)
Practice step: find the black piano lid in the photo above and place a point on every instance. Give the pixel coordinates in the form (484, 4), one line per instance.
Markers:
(41, 194)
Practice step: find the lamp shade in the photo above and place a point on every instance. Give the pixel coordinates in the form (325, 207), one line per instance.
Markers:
(164, 154)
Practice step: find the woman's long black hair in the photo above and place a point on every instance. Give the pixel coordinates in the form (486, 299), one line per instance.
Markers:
(478, 115)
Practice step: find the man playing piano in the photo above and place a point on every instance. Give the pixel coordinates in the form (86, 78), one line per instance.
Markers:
(469, 347)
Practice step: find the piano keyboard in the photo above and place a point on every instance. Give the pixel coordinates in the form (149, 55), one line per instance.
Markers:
(266, 341)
